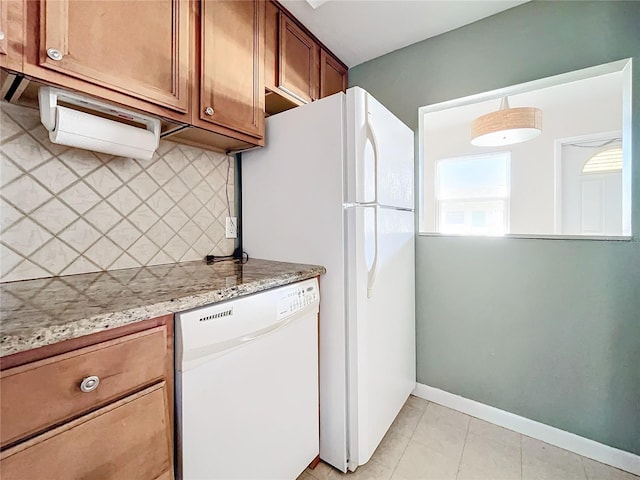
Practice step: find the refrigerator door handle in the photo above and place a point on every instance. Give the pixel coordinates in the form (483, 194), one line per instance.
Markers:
(371, 136)
(371, 274)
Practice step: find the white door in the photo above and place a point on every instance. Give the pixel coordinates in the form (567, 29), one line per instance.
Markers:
(380, 153)
(591, 202)
(380, 322)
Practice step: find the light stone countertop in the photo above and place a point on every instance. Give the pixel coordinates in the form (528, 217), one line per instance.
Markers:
(35, 313)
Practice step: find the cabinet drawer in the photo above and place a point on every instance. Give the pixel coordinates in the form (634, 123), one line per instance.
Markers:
(47, 392)
(125, 440)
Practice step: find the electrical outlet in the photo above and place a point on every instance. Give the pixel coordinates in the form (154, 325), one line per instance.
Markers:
(231, 228)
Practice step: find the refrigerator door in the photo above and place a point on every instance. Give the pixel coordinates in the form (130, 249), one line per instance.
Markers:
(380, 323)
(380, 153)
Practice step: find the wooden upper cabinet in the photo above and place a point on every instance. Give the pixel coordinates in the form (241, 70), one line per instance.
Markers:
(11, 34)
(298, 69)
(4, 31)
(231, 67)
(298, 62)
(333, 75)
(272, 19)
(139, 48)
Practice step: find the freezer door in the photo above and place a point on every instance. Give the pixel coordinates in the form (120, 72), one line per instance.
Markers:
(380, 323)
(379, 154)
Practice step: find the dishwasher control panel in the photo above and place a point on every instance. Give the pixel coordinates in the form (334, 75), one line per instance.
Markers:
(297, 298)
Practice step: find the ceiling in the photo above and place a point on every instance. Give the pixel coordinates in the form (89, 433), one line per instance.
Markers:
(589, 92)
(359, 30)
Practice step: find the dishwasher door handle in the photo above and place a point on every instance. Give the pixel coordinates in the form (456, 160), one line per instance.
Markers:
(265, 331)
(198, 356)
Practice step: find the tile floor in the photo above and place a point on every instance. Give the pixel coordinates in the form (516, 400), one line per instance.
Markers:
(429, 441)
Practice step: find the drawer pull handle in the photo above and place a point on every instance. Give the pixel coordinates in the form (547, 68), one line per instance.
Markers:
(89, 384)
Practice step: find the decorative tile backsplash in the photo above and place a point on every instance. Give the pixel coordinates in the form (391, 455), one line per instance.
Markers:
(65, 211)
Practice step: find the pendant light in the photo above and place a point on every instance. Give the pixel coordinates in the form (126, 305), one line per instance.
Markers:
(506, 126)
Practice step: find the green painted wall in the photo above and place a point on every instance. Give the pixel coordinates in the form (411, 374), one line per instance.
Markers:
(546, 329)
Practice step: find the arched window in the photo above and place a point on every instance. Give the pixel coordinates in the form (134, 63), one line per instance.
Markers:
(605, 161)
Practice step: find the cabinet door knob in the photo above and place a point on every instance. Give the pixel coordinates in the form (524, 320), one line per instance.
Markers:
(1, 35)
(208, 111)
(89, 384)
(54, 54)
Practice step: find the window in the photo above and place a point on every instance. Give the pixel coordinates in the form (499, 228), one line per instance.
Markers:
(571, 180)
(608, 160)
(472, 194)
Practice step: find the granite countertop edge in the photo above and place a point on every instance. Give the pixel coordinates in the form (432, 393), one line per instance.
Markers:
(45, 335)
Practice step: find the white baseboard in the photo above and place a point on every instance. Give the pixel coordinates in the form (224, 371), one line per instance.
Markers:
(582, 446)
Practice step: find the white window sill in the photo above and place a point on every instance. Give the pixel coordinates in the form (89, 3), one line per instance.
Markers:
(535, 236)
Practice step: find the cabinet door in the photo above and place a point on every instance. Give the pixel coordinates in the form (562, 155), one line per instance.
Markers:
(4, 30)
(298, 68)
(333, 75)
(128, 439)
(272, 18)
(138, 48)
(232, 65)
(11, 34)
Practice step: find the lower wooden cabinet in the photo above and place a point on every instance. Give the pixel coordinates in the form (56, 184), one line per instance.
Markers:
(127, 439)
(99, 406)
(121, 365)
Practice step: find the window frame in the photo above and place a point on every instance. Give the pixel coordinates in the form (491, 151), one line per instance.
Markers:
(503, 155)
(624, 66)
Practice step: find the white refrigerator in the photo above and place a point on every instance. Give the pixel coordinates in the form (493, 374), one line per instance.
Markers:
(334, 186)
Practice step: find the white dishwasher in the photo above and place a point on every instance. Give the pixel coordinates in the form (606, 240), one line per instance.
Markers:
(247, 386)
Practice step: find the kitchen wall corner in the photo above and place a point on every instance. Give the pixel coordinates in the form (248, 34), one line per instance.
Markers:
(65, 211)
